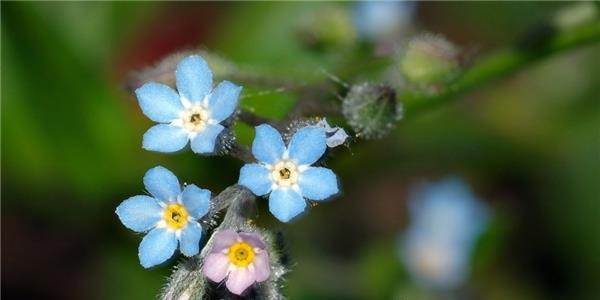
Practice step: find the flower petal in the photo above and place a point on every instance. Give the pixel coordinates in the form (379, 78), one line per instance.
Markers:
(157, 246)
(262, 268)
(256, 178)
(336, 137)
(253, 239)
(307, 145)
(195, 200)
(286, 204)
(223, 100)
(216, 266)
(318, 183)
(164, 138)
(162, 184)
(268, 145)
(159, 102)
(223, 239)
(239, 280)
(204, 142)
(189, 241)
(193, 78)
(139, 213)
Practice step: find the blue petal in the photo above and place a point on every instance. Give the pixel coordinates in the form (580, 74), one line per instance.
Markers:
(268, 145)
(223, 100)
(189, 241)
(256, 178)
(285, 204)
(204, 142)
(195, 200)
(157, 246)
(139, 213)
(159, 102)
(162, 184)
(318, 183)
(307, 145)
(193, 78)
(448, 210)
(164, 138)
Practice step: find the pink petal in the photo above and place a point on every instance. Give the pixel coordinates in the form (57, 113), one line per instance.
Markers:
(224, 239)
(262, 268)
(253, 239)
(216, 266)
(239, 280)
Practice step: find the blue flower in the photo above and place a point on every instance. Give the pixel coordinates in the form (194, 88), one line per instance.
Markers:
(446, 221)
(170, 217)
(194, 114)
(286, 173)
(376, 20)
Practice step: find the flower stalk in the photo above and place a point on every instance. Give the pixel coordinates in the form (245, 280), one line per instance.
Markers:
(187, 280)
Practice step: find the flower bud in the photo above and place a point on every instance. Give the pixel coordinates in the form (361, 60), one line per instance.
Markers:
(226, 141)
(371, 109)
(430, 59)
(330, 27)
(575, 15)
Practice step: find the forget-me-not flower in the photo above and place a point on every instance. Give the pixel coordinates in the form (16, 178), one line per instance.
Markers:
(171, 216)
(286, 172)
(446, 221)
(239, 257)
(194, 113)
(377, 20)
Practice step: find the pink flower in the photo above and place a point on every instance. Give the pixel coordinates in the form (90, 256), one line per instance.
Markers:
(239, 257)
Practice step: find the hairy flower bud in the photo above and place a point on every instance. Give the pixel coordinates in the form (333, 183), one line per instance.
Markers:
(226, 141)
(575, 15)
(371, 109)
(330, 27)
(430, 59)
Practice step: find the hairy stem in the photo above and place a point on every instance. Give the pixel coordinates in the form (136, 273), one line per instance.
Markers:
(253, 119)
(241, 152)
(318, 100)
(187, 281)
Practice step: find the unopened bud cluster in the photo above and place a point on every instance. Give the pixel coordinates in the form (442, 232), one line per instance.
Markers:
(330, 27)
(371, 109)
(429, 60)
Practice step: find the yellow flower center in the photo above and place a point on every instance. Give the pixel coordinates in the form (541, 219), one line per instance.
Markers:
(432, 261)
(241, 254)
(195, 118)
(284, 173)
(176, 216)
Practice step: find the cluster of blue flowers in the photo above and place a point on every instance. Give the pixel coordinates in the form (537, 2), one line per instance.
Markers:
(198, 114)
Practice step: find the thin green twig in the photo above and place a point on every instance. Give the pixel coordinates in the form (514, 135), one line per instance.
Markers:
(501, 64)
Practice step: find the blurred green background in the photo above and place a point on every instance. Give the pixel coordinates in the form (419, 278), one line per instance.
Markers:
(71, 152)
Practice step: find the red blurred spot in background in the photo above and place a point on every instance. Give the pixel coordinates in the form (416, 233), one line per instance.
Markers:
(176, 27)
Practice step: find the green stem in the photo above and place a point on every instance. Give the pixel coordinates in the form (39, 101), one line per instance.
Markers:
(501, 64)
